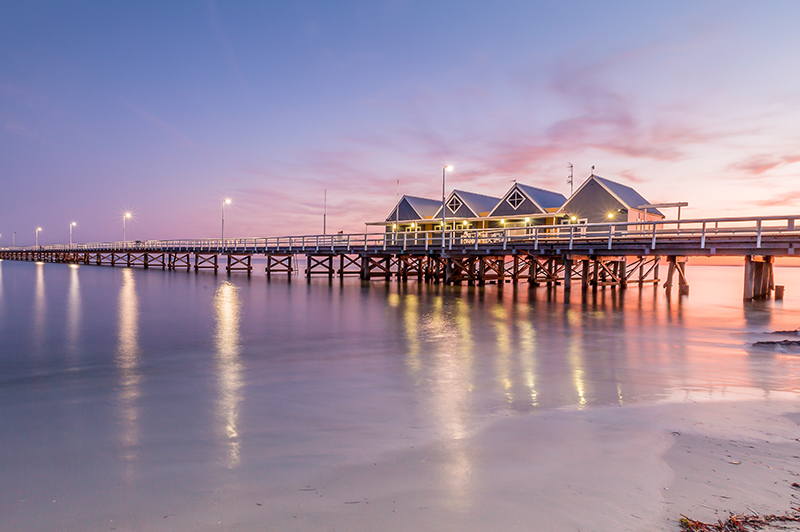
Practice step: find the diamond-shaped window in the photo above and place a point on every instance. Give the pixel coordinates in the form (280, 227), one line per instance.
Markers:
(454, 204)
(515, 199)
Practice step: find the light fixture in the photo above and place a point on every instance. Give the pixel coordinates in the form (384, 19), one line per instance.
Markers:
(573, 218)
(610, 215)
(445, 169)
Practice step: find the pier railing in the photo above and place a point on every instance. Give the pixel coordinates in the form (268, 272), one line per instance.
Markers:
(698, 235)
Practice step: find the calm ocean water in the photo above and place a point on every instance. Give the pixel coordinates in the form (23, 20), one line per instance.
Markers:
(129, 395)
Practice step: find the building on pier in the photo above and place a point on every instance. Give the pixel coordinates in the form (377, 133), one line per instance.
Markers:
(411, 212)
(600, 200)
(467, 210)
(524, 206)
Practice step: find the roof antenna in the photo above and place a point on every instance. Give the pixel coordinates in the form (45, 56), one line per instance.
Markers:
(592, 169)
(569, 179)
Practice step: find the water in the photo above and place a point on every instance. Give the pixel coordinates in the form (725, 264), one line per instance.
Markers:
(131, 397)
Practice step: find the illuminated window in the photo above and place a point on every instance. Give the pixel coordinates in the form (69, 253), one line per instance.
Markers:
(454, 204)
(515, 199)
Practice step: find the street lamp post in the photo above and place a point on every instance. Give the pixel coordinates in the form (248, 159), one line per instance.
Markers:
(226, 202)
(444, 174)
(124, 219)
(37, 236)
(73, 224)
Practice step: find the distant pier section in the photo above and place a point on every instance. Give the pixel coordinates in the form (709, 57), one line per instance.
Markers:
(589, 254)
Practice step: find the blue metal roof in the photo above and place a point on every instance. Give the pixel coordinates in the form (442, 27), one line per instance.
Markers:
(477, 203)
(544, 198)
(422, 207)
(626, 195)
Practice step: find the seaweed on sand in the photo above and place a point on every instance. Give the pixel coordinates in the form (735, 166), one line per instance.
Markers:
(741, 523)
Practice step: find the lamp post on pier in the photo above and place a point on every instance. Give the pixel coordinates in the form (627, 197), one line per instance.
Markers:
(445, 169)
(124, 220)
(38, 229)
(73, 224)
(226, 202)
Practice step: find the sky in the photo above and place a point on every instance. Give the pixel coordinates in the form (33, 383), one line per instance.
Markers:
(164, 109)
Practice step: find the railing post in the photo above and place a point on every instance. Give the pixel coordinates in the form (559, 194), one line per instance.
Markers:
(405, 240)
(536, 238)
(653, 243)
(610, 234)
(703, 237)
(758, 233)
(365, 241)
(505, 239)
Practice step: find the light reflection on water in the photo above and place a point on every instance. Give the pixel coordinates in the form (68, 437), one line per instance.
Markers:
(74, 312)
(337, 372)
(227, 310)
(127, 361)
(40, 310)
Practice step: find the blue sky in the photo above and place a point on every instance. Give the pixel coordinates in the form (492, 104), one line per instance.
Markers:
(165, 109)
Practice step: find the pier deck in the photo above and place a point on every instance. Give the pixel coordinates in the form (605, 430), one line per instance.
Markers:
(592, 254)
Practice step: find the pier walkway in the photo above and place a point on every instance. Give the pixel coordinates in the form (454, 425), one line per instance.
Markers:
(607, 254)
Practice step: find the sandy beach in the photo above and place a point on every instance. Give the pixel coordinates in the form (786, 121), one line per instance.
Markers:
(599, 469)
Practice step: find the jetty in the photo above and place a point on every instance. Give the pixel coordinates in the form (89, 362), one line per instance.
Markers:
(590, 255)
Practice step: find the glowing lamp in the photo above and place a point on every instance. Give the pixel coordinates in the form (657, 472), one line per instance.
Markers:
(610, 215)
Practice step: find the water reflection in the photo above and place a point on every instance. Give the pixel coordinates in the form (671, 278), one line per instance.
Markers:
(445, 372)
(527, 352)
(128, 361)
(39, 309)
(73, 311)
(227, 313)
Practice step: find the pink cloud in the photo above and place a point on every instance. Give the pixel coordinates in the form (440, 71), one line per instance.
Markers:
(784, 199)
(756, 165)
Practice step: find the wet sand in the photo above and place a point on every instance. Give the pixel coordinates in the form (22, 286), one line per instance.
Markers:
(612, 468)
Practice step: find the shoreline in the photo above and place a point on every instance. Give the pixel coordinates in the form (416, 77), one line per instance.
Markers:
(634, 467)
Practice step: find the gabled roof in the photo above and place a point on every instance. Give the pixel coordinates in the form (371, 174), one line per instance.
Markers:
(540, 199)
(545, 199)
(423, 207)
(625, 194)
(477, 203)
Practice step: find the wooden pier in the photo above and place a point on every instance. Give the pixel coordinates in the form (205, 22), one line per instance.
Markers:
(593, 255)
